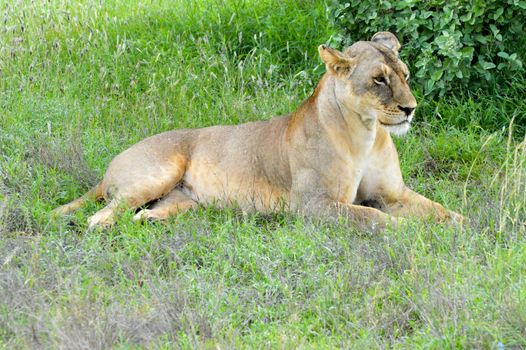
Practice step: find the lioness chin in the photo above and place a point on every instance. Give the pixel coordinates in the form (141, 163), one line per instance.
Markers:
(333, 153)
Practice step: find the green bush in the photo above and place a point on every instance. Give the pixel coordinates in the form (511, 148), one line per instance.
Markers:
(448, 44)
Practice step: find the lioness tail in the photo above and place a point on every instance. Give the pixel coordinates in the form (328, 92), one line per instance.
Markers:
(94, 193)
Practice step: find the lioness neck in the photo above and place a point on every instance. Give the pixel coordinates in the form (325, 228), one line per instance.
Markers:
(323, 112)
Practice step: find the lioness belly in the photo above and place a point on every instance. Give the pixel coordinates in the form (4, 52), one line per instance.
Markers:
(236, 166)
(208, 183)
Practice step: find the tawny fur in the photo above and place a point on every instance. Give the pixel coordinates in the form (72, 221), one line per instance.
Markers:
(326, 158)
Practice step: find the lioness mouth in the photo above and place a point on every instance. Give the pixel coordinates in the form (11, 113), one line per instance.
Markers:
(395, 124)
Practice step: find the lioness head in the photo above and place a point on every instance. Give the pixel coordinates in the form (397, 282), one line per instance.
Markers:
(372, 82)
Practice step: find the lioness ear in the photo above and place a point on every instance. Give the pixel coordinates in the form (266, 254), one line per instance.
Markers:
(387, 39)
(336, 62)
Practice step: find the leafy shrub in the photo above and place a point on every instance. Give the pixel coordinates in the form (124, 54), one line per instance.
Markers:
(448, 44)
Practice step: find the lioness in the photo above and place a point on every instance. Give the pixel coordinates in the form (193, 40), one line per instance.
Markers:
(327, 158)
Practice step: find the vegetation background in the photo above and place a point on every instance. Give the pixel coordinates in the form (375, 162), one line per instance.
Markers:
(82, 80)
(458, 43)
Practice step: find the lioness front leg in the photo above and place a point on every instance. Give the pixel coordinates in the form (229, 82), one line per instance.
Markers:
(363, 217)
(410, 204)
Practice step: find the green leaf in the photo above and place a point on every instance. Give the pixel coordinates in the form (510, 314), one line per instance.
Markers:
(426, 14)
(441, 41)
(498, 13)
(487, 65)
(481, 39)
(466, 17)
(467, 51)
(437, 75)
(429, 85)
(494, 29)
(477, 11)
(503, 55)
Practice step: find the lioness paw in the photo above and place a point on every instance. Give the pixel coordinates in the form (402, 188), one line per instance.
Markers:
(146, 215)
(456, 219)
(103, 219)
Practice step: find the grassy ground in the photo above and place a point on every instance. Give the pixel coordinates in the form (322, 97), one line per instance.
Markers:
(81, 81)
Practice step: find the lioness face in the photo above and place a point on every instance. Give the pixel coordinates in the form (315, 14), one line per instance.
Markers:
(373, 82)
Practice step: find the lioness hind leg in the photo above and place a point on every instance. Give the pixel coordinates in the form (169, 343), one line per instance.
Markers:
(131, 182)
(173, 203)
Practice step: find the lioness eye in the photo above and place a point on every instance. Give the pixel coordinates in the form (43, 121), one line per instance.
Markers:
(380, 81)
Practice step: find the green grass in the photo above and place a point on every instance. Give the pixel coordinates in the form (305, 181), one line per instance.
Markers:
(81, 81)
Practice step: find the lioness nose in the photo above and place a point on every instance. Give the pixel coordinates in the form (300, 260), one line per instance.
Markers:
(407, 110)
